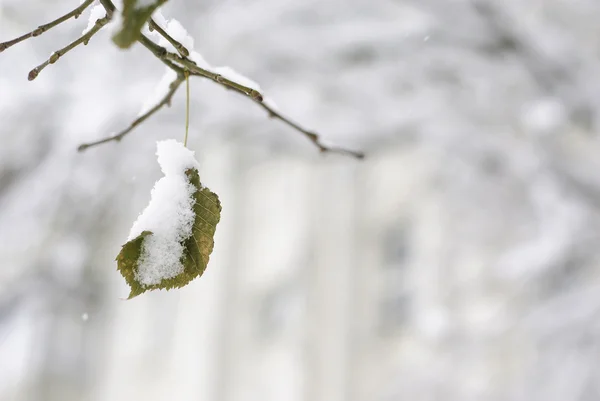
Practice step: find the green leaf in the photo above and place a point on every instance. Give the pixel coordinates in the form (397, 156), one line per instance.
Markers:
(197, 248)
(134, 18)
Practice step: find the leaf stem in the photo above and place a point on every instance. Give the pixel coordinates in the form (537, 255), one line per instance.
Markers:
(187, 107)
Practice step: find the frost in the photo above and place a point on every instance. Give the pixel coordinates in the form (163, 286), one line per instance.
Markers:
(160, 91)
(96, 13)
(169, 216)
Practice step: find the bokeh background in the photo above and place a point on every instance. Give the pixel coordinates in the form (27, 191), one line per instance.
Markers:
(459, 261)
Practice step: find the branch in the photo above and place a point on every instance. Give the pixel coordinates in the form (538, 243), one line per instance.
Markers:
(312, 136)
(180, 63)
(108, 6)
(166, 101)
(58, 54)
(159, 52)
(218, 78)
(43, 28)
(258, 98)
(178, 46)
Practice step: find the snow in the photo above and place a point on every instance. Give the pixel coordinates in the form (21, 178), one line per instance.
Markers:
(159, 18)
(160, 91)
(270, 103)
(235, 76)
(96, 13)
(544, 115)
(199, 60)
(180, 34)
(451, 180)
(116, 23)
(169, 216)
(177, 32)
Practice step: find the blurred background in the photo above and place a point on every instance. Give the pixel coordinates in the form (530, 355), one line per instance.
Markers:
(459, 261)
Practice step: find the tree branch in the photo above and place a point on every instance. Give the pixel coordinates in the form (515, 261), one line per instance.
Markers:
(59, 53)
(180, 63)
(218, 78)
(109, 7)
(159, 52)
(258, 98)
(166, 101)
(43, 28)
(178, 46)
(312, 136)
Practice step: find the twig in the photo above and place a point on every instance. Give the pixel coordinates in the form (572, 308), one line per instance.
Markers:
(43, 28)
(192, 68)
(180, 63)
(59, 53)
(159, 52)
(177, 45)
(218, 78)
(312, 136)
(187, 107)
(258, 98)
(109, 7)
(166, 57)
(166, 101)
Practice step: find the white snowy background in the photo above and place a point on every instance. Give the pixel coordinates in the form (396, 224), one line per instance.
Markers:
(459, 261)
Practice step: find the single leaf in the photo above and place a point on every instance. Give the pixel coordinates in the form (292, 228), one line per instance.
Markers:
(197, 248)
(135, 14)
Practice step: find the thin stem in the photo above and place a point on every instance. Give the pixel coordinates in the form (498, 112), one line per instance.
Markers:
(59, 53)
(46, 27)
(187, 107)
(165, 101)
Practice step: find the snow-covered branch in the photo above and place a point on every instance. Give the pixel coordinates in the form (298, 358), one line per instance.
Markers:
(175, 50)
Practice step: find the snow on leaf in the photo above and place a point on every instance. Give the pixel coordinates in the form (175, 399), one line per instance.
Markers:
(135, 14)
(170, 243)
